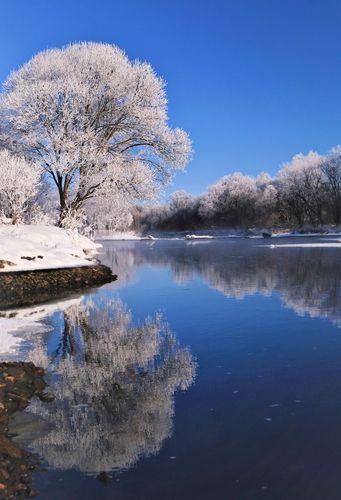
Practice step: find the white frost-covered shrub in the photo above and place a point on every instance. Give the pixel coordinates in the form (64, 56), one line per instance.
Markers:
(19, 184)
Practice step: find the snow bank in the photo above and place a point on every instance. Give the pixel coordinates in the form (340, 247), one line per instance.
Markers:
(43, 247)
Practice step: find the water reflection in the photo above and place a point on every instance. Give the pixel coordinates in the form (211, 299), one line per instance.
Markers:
(307, 279)
(20, 328)
(114, 384)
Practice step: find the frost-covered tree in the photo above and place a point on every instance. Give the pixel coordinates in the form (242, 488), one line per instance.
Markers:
(95, 121)
(331, 168)
(181, 200)
(110, 214)
(19, 185)
(306, 190)
(182, 210)
(263, 180)
(266, 202)
(178, 214)
(155, 216)
(301, 187)
(232, 199)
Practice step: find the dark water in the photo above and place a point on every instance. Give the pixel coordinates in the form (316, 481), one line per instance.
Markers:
(210, 370)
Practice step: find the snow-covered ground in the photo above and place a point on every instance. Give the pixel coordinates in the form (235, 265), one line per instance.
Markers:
(47, 247)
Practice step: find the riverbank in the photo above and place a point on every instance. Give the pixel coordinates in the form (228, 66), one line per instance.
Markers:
(25, 288)
(19, 382)
(44, 263)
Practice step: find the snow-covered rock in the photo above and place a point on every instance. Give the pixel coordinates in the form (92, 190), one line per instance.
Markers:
(198, 237)
(43, 247)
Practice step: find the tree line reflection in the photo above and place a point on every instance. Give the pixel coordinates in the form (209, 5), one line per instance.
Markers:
(307, 279)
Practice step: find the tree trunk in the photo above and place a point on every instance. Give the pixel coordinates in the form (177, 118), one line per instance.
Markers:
(62, 205)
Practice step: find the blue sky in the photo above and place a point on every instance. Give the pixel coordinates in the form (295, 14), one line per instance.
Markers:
(252, 81)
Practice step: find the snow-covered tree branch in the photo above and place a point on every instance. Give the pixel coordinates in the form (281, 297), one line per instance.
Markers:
(19, 184)
(94, 121)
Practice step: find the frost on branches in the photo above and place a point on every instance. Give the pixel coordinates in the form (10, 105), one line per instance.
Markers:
(19, 184)
(302, 188)
(305, 192)
(95, 122)
(232, 198)
(331, 168)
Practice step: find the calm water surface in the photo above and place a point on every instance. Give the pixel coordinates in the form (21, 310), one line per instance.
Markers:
(210, 370)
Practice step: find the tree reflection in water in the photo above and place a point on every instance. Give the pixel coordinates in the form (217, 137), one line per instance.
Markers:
(114, 384)
(307, 279)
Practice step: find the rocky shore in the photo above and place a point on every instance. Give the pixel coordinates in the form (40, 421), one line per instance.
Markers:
(19, 382)
(25, 288)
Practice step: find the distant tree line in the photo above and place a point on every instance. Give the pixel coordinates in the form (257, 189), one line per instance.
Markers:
(305, 192)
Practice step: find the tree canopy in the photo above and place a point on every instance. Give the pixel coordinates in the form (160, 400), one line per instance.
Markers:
(95, 121)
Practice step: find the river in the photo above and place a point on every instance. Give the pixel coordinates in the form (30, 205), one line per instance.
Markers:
(209, 370)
